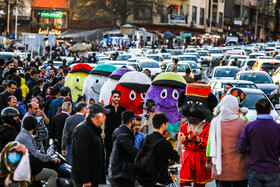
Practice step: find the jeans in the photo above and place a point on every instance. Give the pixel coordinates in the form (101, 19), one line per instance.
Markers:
(47, 174)
(263, 180)
(69, 154)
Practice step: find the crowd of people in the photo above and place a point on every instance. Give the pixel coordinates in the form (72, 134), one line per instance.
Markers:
(99, 141)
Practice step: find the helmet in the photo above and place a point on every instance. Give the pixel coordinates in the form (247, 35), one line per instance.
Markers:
(8, 115)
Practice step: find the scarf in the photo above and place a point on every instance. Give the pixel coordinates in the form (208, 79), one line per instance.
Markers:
(228, 111)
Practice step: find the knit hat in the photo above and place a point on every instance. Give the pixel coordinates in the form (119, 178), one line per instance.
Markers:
(30, 123)
(198, 90)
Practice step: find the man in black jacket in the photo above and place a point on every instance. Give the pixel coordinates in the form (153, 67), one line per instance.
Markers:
(10, 90)
(163, 150)
(113, 121)
(32, 81)
(124, 152)
(88, 158)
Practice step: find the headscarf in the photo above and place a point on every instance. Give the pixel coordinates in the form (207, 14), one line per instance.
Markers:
(229, 109)
(7, 170)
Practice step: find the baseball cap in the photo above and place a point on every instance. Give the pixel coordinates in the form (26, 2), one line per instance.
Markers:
(98, 108)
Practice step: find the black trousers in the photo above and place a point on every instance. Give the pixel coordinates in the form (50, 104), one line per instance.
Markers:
(108, 147)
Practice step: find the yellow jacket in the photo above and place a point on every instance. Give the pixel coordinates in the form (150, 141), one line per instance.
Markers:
(24, 88)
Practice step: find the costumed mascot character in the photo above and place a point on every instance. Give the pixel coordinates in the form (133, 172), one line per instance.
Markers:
(196, 104)
(96, 79)
(133, 87)
(165, 91)
(110, 84)
(241, 96)
(75, 79)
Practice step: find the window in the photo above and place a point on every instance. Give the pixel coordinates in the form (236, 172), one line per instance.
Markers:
(194, 10)
(182, 10)
(220, 19)
(201, 20)
(143, 12)
(214, 15)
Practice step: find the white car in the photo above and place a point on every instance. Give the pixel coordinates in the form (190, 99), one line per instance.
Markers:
(223, 73)
(157, 57)
(256, 55)
(151, 65)
(216, 53)
(167, 58)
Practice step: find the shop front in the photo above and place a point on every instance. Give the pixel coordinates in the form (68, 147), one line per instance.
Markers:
(50, 17)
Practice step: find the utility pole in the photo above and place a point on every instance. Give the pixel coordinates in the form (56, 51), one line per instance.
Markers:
(16, 21)
(8, 18)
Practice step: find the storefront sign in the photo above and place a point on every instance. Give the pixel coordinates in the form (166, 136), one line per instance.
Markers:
(51, 14)
(47, 31)
(177, 19)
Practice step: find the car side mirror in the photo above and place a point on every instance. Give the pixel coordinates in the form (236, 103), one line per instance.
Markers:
(194, 71)
(277, 83)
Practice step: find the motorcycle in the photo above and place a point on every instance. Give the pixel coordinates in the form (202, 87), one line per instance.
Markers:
(63, 170)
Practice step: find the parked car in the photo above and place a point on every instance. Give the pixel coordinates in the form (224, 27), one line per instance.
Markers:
(151, 65)
(181, 68)
(266, 65)
(223, 72)
(260, 78)
(252, 96)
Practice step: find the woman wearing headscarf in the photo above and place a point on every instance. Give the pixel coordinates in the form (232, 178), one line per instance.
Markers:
(229, 166)
(10, 159)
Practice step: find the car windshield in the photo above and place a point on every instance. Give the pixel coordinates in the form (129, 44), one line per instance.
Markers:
(154, 58)
(123, 57)
(117, 63)
(251, 63)
(277, 58)
(227, 57)
(226, 72)
(256, 56)
(149, 65)
(133, 60)
(251, 99)
(203, 53)
(175, 52)
(270, 66)
(180, 68)
(252, 86)
(193, 65)
(6, 56)
(215, 51)
(256, 77)
(166, 56)
(188, 58)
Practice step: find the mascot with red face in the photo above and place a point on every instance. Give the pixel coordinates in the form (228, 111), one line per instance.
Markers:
(196, 104)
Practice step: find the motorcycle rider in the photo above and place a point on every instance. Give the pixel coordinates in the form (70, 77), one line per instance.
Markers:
(25, 137)
(9, 129)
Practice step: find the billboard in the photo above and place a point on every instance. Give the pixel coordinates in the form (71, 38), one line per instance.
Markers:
(64, 4)
(177, 19)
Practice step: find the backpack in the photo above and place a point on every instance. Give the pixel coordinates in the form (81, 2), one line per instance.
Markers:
(145, 169)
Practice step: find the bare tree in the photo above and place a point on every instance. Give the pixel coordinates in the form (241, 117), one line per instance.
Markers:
(9, 5)
(110, 11)
(276, 27)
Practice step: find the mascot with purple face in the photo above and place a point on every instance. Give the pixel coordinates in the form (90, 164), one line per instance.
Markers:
(196, 104)
(165, 91)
